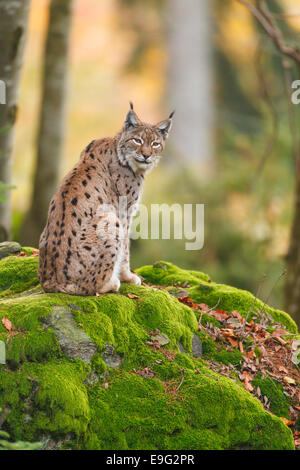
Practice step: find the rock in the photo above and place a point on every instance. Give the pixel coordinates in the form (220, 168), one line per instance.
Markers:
(111, 358)
(196, 346)
(9, 248)
(72, 378)
(160, 266)
(161, 338)
(74, 342)
(178, 292)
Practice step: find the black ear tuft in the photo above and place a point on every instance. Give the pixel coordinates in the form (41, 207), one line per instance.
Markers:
(131, 105)
(131, 119)
(172, 114)
(164, 128)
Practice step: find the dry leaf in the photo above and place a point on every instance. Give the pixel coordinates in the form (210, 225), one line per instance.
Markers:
(287, 422)
(219, 315)
(280, 340)
(7, 323)
(237, 315)
(132, 296)
(289, 380)
(233, 342)
(248, 386)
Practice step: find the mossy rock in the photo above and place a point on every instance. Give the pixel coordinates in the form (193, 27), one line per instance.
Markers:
(203, 290)
(48, 392)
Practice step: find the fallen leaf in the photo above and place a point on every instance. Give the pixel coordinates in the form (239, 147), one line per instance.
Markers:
(228, 332)
(287, 422)
(237, 315)
(219, 315)
(279, 332)
(280, 340)
(132, 296)
(233, 342)
(7, 323)
(245, 376)
(289, 380)
(248, 386)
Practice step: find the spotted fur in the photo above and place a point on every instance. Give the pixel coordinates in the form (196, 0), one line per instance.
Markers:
(74, 259)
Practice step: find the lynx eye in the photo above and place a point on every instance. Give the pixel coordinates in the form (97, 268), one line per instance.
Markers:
(137, 141)
(155, 145)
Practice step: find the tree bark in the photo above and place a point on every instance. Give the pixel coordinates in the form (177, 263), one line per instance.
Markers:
(13, 28)
(52, 119)
(292, 286)
(191, 80)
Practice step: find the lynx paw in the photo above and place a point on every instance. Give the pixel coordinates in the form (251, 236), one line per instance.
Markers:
(112, 285)
(131, 277)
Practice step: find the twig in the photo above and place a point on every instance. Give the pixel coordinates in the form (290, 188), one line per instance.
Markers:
(208, 312)
(255, 298)
(272, 288)
(274, 118)
(264, 17)
(181, 382)
(212, 308)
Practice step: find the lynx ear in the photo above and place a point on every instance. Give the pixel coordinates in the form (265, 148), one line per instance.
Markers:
(164, 127)
(131, 119)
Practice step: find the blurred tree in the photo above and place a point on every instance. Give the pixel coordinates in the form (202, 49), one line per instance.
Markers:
(266, 18)
(52, 119)
(191, 79)
(13, 27)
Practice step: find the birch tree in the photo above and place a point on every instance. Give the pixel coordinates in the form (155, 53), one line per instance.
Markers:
(13, 28)
(51, 129)
(190, 79)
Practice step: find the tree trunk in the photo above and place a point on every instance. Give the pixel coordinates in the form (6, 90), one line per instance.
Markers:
(292, 287)
(13, 27)
(52, 119)
(190, 85)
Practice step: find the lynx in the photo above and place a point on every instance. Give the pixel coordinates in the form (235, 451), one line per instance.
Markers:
(78, 253)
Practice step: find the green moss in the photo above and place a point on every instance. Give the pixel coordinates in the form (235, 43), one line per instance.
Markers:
(184, 406)
(51, 394)
(209, 412)
(210, 293)
(17, 274)
(214, 351)
(164, 273)
(98, 364)
(32, 346)
(279, 403)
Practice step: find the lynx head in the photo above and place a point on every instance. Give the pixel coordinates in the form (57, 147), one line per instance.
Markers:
(139, 144)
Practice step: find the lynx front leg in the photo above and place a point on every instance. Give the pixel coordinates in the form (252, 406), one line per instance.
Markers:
(125, 274)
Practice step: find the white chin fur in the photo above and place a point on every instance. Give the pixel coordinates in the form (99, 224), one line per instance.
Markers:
(138, 166)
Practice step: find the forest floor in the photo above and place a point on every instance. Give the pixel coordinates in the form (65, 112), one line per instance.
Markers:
(265, 354)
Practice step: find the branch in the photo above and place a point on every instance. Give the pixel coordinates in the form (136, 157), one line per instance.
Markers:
(264, 17)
